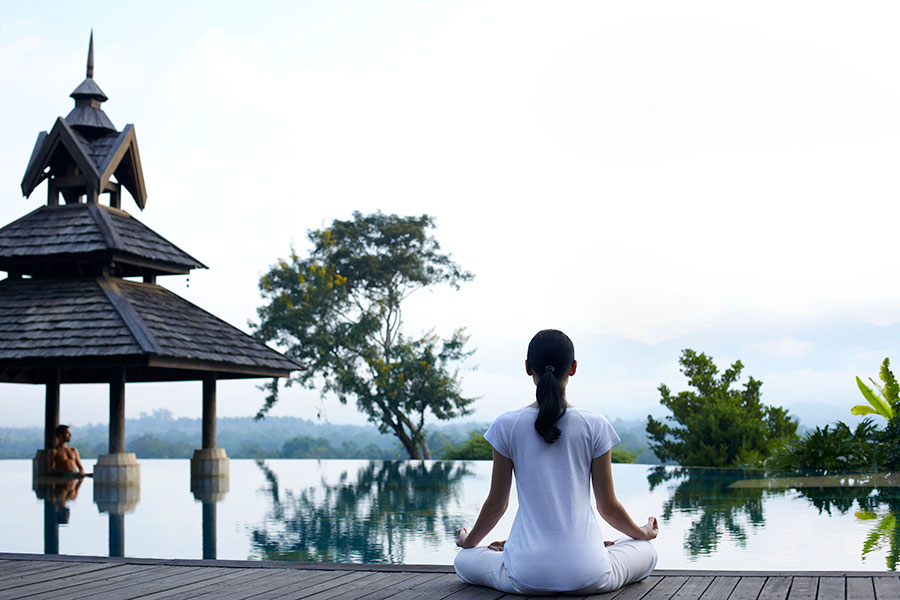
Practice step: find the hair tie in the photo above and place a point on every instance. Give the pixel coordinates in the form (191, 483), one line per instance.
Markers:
(549, 368)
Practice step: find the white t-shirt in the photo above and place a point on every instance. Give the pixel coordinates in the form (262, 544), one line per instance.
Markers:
(555, 543)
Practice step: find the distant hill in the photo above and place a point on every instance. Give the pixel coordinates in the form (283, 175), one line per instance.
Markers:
(159, 435)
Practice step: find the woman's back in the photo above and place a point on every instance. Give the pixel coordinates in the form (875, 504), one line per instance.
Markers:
(555, 542)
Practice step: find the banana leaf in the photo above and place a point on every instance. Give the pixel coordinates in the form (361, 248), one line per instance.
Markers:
(881, 407)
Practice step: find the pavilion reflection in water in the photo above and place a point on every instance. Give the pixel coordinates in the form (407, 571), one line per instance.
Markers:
(118, 501)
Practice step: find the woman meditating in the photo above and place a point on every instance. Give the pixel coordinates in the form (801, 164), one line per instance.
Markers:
(557, 452)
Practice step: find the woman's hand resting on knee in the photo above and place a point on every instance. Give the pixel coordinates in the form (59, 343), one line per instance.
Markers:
(651, 529)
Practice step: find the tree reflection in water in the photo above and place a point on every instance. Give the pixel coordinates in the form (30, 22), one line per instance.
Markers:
(878, 504)
(367, 520)
(724, 507)
(719, 510)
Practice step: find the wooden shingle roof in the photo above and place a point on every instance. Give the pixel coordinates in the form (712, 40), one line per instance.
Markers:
(88, 234)
(97, 157)
(87, 326)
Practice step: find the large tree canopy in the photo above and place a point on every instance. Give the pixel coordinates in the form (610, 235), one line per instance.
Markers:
(338, 313)
(715, 425)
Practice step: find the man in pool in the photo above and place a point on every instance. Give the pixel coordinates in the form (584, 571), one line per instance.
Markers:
(62, 459)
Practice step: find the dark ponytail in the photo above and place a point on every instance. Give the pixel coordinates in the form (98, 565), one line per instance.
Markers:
(550, 356)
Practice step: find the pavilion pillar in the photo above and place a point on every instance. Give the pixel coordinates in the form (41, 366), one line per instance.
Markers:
(39, 465)
(209, 531)
(210, 461)
(209, 412)
(117, 415)
(117, 534)
(116, 468)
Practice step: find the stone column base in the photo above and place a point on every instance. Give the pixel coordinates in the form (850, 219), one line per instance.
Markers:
(116, 499)
(117, 469)
(209, 462)
(209, 489)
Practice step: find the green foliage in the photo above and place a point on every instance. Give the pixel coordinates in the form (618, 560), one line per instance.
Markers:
(830, 449)
(883, 401)
(888, 441)
(474, 448)
(715, 425)
(621, 455)
(338, 313)
(316, 447)
(885, 533)
(150, 446)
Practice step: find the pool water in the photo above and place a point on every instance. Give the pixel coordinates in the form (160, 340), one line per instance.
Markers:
(409, 512)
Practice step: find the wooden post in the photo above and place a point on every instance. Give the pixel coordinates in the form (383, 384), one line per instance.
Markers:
(117, 413)
(209, 531)
(52, 193)
(51, 410)
(209, 411)
(117, 534)
(51, 527)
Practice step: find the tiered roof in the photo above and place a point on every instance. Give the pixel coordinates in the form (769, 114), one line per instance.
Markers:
(66, 307)
(87, 326)
(82, 238)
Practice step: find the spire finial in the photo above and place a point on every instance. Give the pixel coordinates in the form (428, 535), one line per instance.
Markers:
(90, 63)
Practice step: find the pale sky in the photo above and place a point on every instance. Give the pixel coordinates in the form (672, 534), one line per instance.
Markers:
(645, 176)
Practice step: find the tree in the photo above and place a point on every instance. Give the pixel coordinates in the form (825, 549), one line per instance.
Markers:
(338, 313)
(475, 447)
(717, 426)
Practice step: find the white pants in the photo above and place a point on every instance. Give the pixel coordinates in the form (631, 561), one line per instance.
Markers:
(631, 560)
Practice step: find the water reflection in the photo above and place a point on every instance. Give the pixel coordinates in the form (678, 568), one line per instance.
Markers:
(56, 494)
(367, 519)
(729, 503)
(718, 509)
(881, 505)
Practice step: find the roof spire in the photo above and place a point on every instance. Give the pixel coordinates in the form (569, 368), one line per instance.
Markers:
(90, 63)
(87, 116)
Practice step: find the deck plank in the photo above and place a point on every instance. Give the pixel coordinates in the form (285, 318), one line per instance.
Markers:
(637, 591)
(437, 589)
(115, 580)
(776, 588)
(666, 588)
(79, 578)
(385, 583)
(391, 591)
(291, 579)
(860, 588)
(167, 580)
(298, 592)
(693, 588)
(721, 587)
(831, 588)
(53, 572)
(804, 588)
(18, 569)
(748, 588)
(311, 589)
(240, 587)
(886, 588)
(475, 592)
(170, 590)
(36, 583)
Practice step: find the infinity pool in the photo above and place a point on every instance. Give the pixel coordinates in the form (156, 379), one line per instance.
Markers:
(408, 512)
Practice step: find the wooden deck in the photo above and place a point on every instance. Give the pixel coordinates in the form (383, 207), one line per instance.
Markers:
(38, 577)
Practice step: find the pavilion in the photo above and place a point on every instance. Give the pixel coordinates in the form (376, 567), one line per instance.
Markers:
(81, 303)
